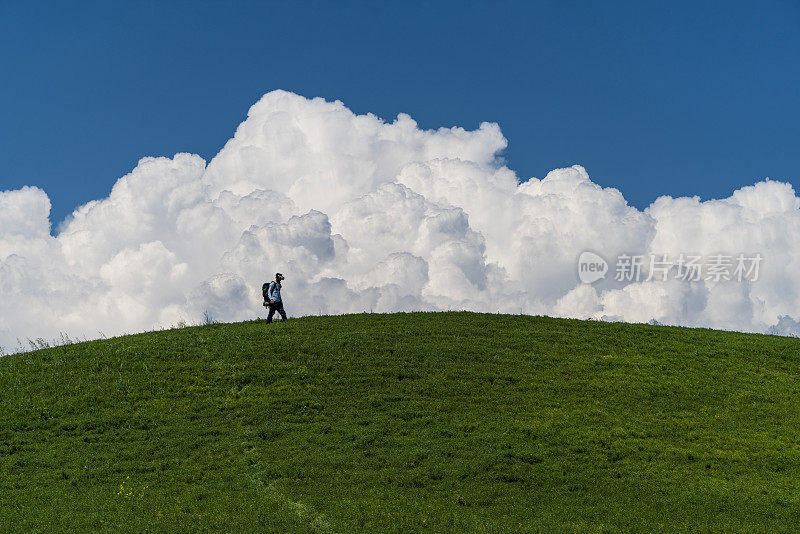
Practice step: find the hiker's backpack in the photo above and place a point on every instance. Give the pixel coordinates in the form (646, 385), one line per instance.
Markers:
(265, 290)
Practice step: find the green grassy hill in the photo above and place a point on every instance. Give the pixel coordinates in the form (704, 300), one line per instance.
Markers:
(407, 422)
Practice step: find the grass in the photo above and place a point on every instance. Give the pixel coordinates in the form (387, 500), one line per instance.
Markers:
(406, 422)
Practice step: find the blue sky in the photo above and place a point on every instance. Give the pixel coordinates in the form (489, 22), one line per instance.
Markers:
(678, 98)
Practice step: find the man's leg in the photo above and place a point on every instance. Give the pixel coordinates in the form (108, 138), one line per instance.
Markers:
(280, 310)
(271, 313)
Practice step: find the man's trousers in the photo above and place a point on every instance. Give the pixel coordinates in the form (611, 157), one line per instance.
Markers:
(275, 307)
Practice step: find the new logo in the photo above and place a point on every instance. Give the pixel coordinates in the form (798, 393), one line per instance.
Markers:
(591, 267)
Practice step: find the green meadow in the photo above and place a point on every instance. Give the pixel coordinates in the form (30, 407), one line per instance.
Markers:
(422, 422)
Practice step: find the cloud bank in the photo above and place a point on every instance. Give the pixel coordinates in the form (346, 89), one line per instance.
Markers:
(361, 214)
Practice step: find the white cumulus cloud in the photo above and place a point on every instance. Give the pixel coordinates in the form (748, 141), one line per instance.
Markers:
(362, 214)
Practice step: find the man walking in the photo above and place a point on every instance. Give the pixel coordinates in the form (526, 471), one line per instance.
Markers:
(273, 298)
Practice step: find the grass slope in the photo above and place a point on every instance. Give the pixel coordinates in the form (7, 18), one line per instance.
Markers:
(407, 422)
